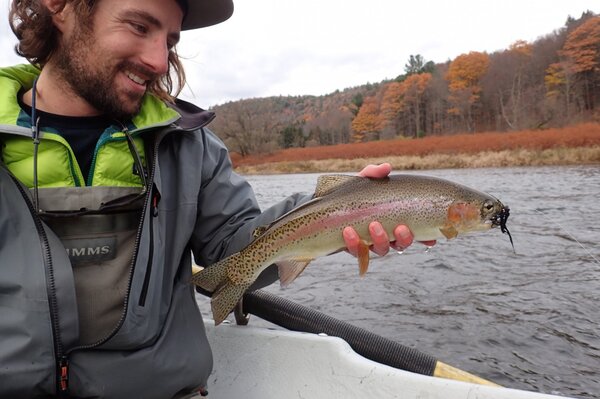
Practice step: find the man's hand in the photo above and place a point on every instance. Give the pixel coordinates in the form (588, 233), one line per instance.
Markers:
(381, 242)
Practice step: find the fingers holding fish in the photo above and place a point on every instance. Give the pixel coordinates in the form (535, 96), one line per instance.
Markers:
(381, 243)
(376, 171)
(379, 239)
(351, 239)
(404, 239)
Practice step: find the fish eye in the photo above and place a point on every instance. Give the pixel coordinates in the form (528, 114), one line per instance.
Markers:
(488, 206)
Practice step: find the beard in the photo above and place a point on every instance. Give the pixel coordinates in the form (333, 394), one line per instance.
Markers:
(90, 74)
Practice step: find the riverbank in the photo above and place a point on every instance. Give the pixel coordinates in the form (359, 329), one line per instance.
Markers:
(574, 145)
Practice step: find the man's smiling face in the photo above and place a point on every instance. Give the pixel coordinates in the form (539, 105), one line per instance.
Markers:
(110, 62)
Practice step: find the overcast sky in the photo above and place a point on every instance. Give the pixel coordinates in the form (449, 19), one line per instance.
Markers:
(295, 47)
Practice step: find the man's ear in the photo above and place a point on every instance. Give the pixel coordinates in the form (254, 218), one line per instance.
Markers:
(59, 10)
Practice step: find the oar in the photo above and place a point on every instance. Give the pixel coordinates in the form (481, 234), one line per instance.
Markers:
(296, 317)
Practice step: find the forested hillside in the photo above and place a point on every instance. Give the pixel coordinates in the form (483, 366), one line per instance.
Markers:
(551, 82)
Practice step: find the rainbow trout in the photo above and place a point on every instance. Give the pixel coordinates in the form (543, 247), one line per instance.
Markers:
(431, 207)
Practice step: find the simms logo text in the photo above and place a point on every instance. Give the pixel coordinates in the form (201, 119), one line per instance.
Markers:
(86, 250)
(89, 251)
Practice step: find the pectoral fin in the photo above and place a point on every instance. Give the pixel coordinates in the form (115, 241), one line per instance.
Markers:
(449, 232)
(290, 269)
(363, 258)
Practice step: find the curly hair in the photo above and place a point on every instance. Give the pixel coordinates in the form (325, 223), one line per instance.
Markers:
(31, 22)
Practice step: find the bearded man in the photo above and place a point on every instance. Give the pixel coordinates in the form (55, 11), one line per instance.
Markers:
(108, 185)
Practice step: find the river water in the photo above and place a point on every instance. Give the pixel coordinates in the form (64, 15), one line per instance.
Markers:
(528, 320)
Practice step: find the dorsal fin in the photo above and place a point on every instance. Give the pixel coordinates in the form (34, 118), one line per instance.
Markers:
(329, 183)
(259, 231)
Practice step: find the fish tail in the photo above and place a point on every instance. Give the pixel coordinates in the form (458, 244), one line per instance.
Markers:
(210, 278)
(226, 293)
(225, 298)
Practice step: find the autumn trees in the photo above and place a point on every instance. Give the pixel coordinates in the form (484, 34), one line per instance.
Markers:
(399, 108)
(552, 81)
(573, 82)
(406, 106)
(464, 77)
(254, 125)
(511, 89)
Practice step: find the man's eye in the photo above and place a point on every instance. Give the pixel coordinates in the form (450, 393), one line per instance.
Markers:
(138, 27)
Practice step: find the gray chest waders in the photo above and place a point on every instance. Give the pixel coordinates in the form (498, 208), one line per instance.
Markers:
(98, 228)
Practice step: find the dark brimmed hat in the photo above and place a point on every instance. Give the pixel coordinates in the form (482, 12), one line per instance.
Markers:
(202, 13)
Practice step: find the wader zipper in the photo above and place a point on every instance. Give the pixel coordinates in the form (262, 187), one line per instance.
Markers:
(155, 197)
(59, 351)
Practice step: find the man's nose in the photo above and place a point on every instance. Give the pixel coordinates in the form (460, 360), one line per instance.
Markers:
(156, 56)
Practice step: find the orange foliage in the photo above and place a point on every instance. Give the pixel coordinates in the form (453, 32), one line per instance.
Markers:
(466, 70)
(392, 102)
(575, 136)
(557, 76)
(521, 47)
(405, 97)
(463, 77)
(416, 84)
(368, 119)
(582, 47)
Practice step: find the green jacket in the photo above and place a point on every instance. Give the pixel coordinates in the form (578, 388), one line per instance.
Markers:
(196, 204)
(112, 162)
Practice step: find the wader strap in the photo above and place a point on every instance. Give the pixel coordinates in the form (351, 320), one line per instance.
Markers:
(94, 224)
(64, 199)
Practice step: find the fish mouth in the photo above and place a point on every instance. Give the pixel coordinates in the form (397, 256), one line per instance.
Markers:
(500, 220)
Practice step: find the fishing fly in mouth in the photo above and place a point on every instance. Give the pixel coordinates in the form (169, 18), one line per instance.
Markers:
(500, 221)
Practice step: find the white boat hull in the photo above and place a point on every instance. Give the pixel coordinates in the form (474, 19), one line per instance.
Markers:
(262, 363)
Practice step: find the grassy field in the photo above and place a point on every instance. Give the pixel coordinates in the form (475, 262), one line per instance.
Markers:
(572, 145)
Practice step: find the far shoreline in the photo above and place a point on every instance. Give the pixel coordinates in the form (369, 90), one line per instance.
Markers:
(559, 156)
(570, 145)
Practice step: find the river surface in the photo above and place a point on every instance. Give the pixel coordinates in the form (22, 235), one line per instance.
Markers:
(528, 320)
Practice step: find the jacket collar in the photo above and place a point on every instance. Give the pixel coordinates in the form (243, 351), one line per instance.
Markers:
(192, 117)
